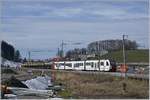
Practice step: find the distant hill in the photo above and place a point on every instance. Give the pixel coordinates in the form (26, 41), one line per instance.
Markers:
(132, 56)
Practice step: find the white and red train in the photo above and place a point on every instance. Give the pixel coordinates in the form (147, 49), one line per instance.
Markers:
(88, 65)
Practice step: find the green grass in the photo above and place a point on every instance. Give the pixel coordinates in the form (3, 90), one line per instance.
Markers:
(132, 56)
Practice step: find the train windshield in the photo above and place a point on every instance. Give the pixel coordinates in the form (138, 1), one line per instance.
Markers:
(113, 63)
(107, 64)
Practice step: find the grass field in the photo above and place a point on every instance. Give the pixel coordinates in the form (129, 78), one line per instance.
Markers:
(85, 86)
(131, 56)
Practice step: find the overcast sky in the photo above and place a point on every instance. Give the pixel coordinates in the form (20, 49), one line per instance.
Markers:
(43, 24)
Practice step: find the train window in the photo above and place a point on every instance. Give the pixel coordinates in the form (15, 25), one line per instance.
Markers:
(78, 64)
(68, 64)
(88, 64)
(61, 64)
(102, 63)
(81, 64)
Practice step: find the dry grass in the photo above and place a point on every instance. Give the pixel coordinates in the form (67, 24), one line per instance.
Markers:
(98, 86)
(102, 86)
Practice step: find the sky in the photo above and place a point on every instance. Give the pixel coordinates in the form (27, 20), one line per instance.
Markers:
(41, 25)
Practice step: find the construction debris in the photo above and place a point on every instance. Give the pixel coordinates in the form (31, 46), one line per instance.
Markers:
(39, 86)
(39, 83)
(31, 92)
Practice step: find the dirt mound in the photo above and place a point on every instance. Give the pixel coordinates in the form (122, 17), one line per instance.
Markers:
(8, 71)
(13, 82)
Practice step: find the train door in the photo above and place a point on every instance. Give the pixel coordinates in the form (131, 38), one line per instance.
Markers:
(61, 65)
(55, 65)
(97, 65)
(92, 65)
(102, 65)
(88, 65)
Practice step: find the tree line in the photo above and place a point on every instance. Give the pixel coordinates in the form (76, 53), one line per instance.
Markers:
(98, 47)
(111, 45)
(76, 52)
(8, 52)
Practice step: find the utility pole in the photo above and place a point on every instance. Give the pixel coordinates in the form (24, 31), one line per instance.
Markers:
(29, 53)
(124, 61)
(124, 52)
(124, 58)
(58, 53)
(62, 49)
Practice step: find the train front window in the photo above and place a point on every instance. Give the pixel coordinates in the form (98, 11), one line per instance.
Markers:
(113, 63)
(107, 64)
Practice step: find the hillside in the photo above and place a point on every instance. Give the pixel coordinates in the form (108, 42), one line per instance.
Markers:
(132, 56)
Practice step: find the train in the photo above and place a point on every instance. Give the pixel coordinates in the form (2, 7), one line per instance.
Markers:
(87, 65)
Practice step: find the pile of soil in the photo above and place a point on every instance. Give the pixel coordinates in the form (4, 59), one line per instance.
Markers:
(8, 71)
(13, 82)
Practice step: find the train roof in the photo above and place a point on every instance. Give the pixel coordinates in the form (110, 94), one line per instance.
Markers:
(82, 61)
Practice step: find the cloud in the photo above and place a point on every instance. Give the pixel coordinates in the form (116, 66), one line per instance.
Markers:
(54, 32)
(78, 10)
(67, 12)
(31, 25)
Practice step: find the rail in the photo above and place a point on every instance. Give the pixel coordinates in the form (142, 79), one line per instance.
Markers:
(129, 75)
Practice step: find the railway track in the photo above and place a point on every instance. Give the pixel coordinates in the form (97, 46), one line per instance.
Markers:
(128, 75)
(118, 74)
